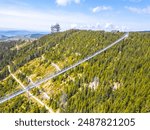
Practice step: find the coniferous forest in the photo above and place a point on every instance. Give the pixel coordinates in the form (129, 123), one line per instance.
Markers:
(116, 81)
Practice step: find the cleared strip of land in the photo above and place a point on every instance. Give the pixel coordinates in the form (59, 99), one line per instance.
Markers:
(29, 93)
(39, 82)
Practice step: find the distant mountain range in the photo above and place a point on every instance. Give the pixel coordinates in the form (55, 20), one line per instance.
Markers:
(20, 34)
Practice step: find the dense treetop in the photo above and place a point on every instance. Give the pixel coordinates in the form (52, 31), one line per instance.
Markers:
(122, 72)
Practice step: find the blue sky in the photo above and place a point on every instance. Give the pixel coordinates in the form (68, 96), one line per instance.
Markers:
(108, 15)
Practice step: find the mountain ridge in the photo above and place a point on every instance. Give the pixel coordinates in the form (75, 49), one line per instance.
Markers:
(122, 82)
(14, 35)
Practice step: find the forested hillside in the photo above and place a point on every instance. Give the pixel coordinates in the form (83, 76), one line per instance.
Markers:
(114, 81)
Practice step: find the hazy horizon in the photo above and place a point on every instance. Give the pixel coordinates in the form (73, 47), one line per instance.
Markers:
(37, 15)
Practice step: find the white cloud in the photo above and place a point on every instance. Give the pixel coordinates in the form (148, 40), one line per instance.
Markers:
(37, 20)
(101, 8)
(110, 27)
(145, 10)
(66, 2)
(100, 26)
(74, 26)
(41, 21)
